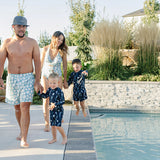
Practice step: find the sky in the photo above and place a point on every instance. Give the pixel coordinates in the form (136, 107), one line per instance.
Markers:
(53, 15)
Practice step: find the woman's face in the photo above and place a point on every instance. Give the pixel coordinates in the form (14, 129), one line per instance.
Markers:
(58, 41)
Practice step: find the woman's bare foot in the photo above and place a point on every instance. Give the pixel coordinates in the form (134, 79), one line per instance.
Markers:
(64, 140)
(18, 138)
(24, 144)
(77, 112)
(84, 113)
(52, 141)
(47, 128)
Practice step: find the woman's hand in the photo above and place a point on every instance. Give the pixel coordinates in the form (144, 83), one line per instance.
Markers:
(65, 85)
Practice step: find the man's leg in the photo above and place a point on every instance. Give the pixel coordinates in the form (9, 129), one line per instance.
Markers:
(18, 117)
(25, 121)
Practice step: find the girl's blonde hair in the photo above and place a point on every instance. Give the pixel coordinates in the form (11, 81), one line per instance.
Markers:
(53, 75)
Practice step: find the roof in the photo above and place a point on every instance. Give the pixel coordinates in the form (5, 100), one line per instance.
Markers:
(139, 12)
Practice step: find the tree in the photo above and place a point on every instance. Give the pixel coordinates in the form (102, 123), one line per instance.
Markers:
(82, 22)
(150, 9)
(44, 39)
(21, 9)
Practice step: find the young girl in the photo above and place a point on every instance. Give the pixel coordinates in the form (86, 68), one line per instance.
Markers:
(56, 100)
(79, 92)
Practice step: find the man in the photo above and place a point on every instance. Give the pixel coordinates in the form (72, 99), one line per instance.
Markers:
(20, 51)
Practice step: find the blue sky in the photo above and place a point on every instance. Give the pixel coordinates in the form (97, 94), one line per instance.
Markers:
(52, 15)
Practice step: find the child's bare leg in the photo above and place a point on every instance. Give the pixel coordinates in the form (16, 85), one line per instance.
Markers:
(54, 134)
(77, 107)
(82, 103)
(61, 131)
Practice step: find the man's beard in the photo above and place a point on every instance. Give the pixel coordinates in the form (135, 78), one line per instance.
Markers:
(20, 36)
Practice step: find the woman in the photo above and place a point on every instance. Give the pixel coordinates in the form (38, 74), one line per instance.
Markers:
(52, 57)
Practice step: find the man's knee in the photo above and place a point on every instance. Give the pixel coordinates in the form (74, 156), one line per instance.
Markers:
(25, 106)
(17, 108)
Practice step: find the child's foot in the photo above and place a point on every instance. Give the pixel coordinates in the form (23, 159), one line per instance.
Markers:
(18, 138)
(24, 144)
(64, 140)
(84, 113)
(47, 128)
(77, 112)
(52, 141)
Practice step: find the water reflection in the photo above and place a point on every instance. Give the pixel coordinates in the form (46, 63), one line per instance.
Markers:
(126, 136)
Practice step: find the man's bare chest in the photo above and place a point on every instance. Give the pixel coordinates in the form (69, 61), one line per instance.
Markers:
(19, 49)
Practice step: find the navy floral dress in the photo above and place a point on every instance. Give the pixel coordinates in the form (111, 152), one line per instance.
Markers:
(78, 80)
(56, 96)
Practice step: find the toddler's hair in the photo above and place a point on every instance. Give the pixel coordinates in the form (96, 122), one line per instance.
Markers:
(77, 61)
(53, 75)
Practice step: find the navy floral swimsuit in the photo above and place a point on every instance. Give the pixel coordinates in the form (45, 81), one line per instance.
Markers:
(78, 80)
(56, 96)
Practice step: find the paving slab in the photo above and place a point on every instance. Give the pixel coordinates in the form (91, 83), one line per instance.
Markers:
(38, 139)
(80, 144)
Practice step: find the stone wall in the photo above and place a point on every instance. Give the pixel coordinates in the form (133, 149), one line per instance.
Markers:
(123, 95)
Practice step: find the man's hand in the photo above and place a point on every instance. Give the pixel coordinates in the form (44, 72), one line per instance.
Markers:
(1, 83)
(52, 106)
(38, 87)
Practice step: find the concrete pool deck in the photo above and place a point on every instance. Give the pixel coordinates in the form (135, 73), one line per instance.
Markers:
(80, 144)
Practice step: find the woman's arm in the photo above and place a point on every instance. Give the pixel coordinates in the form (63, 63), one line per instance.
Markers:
(43, 55)
(64, 58)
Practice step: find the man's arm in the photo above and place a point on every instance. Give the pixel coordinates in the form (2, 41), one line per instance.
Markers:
(37, 64)
(3, 55)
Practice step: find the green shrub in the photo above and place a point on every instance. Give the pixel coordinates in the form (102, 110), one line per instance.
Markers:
(37, 99)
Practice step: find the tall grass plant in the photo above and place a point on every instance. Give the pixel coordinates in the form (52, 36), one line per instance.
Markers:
(148, 39)
(107, 38)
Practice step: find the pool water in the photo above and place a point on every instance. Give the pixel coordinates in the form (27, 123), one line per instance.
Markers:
(126, 136)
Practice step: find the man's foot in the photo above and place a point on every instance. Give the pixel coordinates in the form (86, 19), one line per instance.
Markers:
(47, 128)
(77, 112)
(64, 140)
(84, 113)
(52, 141)
(18, 138)
(24, 144)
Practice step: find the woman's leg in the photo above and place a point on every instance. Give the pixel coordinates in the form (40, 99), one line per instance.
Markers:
(60, 83)
(46, 105)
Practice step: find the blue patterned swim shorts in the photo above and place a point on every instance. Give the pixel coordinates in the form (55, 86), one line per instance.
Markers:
(19, 88)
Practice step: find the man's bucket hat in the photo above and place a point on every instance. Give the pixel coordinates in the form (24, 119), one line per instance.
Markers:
(19, 20)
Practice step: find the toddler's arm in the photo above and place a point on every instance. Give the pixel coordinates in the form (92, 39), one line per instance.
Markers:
(85, 73)
(44, 95)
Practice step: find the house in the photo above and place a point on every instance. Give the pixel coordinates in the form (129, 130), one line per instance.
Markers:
(136, 16)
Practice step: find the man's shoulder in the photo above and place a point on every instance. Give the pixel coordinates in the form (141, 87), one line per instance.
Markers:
(31, 39)
(8, 40)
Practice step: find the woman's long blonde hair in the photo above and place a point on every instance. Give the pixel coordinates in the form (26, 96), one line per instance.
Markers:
(63, 48)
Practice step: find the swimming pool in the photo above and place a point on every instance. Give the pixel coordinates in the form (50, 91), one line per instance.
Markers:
(126, 136)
